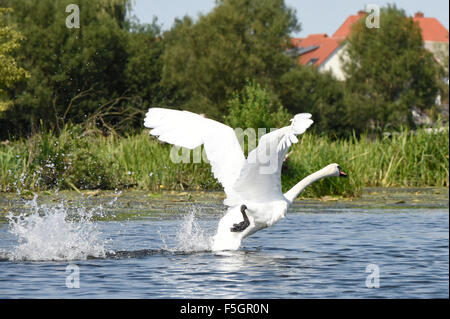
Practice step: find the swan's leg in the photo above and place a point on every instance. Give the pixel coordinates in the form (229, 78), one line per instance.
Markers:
(242, 225)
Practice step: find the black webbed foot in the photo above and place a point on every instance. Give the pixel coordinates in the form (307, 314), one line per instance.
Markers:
(239, 227)
(242, 225)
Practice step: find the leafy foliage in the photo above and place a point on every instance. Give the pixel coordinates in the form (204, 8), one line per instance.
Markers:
(66, 161)
(205, 62)
(306, 89)
(110, 70)
(10, 71)
(255, 108)
(389, 72)
(76, 72)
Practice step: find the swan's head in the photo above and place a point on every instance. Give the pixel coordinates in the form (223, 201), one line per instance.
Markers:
(334, 170)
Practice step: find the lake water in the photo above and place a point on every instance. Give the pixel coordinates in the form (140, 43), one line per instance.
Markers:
(132, 245)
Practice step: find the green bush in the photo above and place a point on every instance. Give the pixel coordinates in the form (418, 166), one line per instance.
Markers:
(254, 107)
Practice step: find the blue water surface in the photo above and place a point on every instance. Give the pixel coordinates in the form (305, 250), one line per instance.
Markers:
(315, 252)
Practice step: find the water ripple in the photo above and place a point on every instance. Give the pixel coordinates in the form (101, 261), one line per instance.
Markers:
(320, 255)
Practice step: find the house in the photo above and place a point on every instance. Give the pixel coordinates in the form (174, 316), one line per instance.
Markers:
(326, 52)
(434, 34)
(319, 50)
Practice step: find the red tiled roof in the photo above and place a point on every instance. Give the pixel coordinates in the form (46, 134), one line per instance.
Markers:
(326, 46)
(346, 28)
(432, 29)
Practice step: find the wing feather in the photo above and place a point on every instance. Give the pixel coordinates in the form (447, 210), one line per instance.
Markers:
(190, 130)
(260, 178)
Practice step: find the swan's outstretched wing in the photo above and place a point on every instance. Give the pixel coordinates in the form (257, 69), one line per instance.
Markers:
(260, 178)
(190, 130)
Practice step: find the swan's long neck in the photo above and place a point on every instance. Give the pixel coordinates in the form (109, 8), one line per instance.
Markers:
(292, 194)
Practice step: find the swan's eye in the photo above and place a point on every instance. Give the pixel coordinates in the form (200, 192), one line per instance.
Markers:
(339, 168)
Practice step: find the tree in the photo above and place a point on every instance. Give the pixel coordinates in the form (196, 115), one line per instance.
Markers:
(306, 89)
(205, 62)
(253, 112)
(10, 71)
(255, 107)
(142, 73)
(389, 72)
(442, 54)
(74, 70)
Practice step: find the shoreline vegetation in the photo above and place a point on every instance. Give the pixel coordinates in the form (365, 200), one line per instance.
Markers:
(72, 109)
(81, 159)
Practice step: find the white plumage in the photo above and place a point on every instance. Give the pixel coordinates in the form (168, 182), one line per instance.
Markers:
(190, 130)
(254, 182)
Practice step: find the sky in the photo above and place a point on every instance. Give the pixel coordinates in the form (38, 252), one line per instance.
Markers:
(315, 16)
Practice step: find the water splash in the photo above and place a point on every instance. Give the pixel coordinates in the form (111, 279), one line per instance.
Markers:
(56, 233)
(191, 237)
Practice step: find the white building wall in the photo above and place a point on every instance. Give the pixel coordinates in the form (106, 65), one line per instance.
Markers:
(334, 64)
(438, 49)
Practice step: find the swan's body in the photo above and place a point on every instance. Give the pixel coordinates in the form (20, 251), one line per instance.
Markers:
(254, 182)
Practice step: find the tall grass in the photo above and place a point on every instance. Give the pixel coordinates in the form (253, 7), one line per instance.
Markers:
(87, 160)
(408, 159)
(79, 159)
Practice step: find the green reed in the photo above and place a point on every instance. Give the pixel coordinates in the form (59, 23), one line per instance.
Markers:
(81, 159)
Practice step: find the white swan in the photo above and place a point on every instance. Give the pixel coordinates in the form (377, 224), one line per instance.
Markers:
(253, 185)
